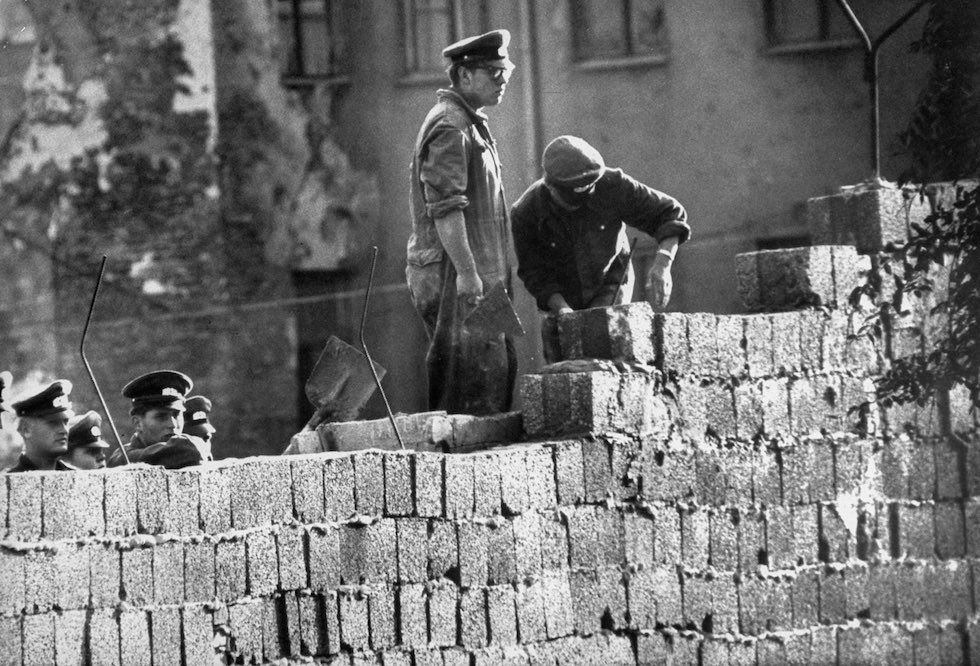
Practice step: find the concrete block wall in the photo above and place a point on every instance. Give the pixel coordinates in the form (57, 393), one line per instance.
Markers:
(602, 548)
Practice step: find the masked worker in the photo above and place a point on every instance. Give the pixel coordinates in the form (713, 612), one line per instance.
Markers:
(570, 235)
(43, 424)
(86, 448)
(460, 243)
(157, 415)
(197, 422)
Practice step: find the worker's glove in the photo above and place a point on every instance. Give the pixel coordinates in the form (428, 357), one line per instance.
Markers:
(659, 283)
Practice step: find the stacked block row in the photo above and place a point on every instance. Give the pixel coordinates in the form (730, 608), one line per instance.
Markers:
(569, 547)
(867, 217)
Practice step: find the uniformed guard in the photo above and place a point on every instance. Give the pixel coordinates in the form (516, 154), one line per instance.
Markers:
(157, 416)
(197, 421)
(86, 448)
(43, 424)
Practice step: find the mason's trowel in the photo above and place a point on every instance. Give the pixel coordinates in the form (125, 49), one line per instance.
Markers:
(340, 384)
(495, 313)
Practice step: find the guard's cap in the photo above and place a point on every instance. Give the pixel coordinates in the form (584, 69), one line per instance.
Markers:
(487, 49)
(197, 418)
(86, 430)
(52, 400)
(160, 389)
(571, 162)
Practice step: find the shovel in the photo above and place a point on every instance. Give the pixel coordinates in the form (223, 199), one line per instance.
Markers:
(495, 313)
(340, 384)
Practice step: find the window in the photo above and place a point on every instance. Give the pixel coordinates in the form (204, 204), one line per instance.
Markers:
(604, 30)
(429, 26)
(16, 26)
(802, 24)
(313, 42)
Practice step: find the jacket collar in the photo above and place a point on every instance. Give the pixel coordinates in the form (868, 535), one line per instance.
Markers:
(450, 95)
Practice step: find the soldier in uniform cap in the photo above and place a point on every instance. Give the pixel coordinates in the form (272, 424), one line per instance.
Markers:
(570, 235)
(157, 415)
(197, 422)
(460, 243)
(43, 424)
(86, 448)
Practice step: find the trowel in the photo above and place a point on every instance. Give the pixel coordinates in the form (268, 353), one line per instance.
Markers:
(495, 313)
(340, 384)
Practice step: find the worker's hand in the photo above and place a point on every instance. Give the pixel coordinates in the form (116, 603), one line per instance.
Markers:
(469, 287)
(659, 283)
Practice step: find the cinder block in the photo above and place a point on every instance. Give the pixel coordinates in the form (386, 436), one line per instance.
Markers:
(215, 488)
(569, 472)
(874, 644)
(758, 345)
(811, 337)
(137, 576)
(797, 470)
(786, 351)
(459, 486)
(823, 470)
(369, 485)
(584, 532)
(502, 563)
(866, 218)
(229, 570)
(39, 639)
(473, 554)
(183, 509)
(775, 407)
(381, 616)
(596, 456)
(134, 638)
(412, 535)
(501, 615)
(557, 601)
(858, 601)
(72, 505)
(670, 342)
(443, 550)
(514, 494)
(527, 544)
(399, 498)
(103, 636)
(910, 581)
(702, 341)
(245, 623)
(948, 465)
(747, 280)
(120, 507)
(152, 499)
(695, 538)
(354, 627)
(730, 343)
(795, 278)
(104, 571)
(752, 539)
(165, 638)
(472, 433)
(425, 431)
(338, 487)
(413, 624)
(11, 640)
(168, 573)
(806, 599)
(749, 414)
(443, 607)
(921, 472)
(308, 500)
(836, 540)
(971, 510)
(766, 477)
(882, 604)
(554, 542)
(638, 539)
(486, 484)
(697, 601)
(779, 537)
(939, 645)
(312, 625)
(12, 581)
(263, 569)
(70, 569)
(542, 493)
(950, 530)
(947, 590)
(69, 632)
(472, 618)
(369, 553)
(428, 484)
(587, 601)
(323, 544)
(24, 512)
(806, 534)
(833, 597)
(916, 529)
(199, 571)
(666, 535)
(292, 559)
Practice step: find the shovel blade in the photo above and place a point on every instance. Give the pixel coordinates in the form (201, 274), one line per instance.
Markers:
(342, 378)
(495, 314)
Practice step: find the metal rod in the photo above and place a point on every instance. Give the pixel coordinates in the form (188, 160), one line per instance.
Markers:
(88, 368)
(367, 354)
(871, 72)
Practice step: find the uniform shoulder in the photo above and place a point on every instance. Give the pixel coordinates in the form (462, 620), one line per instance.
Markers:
(530, 199)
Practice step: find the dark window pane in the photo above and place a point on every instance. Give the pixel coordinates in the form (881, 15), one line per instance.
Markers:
(433, 31)
(288, 60)
(598, 29)
(795, 21)
(648, 27)
(316, 38)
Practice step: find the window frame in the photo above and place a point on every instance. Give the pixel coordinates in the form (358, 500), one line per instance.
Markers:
(629, 60)
(821, 42)
(333, 25)
(410, 47)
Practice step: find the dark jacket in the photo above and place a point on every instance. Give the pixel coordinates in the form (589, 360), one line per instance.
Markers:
(177, 452)
(24, 464)
(578, 253)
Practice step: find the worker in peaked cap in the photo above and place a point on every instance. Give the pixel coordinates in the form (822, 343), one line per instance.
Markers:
(459, 249)
(86, 448)
(43, 424)
(197, 422)
(157, 416)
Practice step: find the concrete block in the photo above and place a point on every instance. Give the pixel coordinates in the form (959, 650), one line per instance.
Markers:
(749, 413)
(730, 344)
(324, 565)
(948, 465)
(638, 539)
(950, 530)
(369, 553)
(472, 618)
(569, 471)
(597, 472)
(308, 499)
(382, 617)
(486, 484)
(531, 391)
(39, 639)
(669, 474)
(501, 615)
(866, 218)
(833, 597)
(459, 486)
(857, 600)
(948, 589)
(751, 539)
(779, 537)
(666, 535)
(874, 645)
(587, 602)
(443, 550)
(412, 536)
(168, 573)
(514, 493)
(719, 411)
(774, 399)
(425, 431)
(916, 529)
(882, 600)
(473, 554)
(702, 341)
(263, 566)
(695, 538)
(527, 544)
(443, 607)
(165, 636)
(69, 632)
(796, 278)
(824, 469)
(291, 553)
(215, 488)
(797, 470)
(473, 433)
(199, 571)
(811, 340)
(554, 542)
(229, 570)
(104, 574)
(183, 509)
(72, 505)
(137, 576)
(399, 498)
(338, 487)
(556, 597)
(71, 583)
(584, 528)
(245, 624)
(24, 512)
(670, 342)
(134, 638)
(152, 499)
(766, 477)
(758, 345)
(542, 492)
(312, 626)
(971, 511)
(413, 623)
(939, 645)
(837, 542)
(354, 626)
(806, 599)
(369, 485)
(120, 507)
(428, 484)
(250, 494)
(697, 601)
(501, 563)
(103, 637)
(12, 581)
(806, 534)
(921, 472)
(786, 350)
